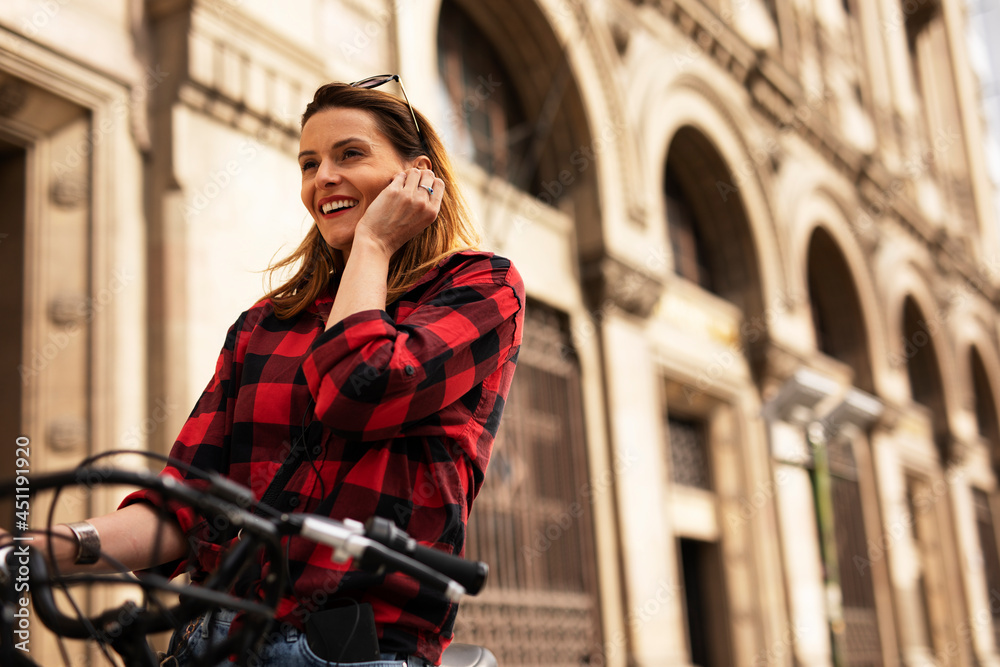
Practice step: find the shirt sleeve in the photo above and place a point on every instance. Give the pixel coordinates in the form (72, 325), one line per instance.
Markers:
(201, 443)
(372, 376)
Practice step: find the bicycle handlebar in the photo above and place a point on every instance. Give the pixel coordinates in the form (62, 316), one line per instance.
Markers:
(470, 574)
(375, 546)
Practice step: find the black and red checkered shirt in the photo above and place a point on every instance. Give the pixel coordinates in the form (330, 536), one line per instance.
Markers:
(398, 409)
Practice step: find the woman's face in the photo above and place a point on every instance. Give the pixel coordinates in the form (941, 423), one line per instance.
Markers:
(346, 162)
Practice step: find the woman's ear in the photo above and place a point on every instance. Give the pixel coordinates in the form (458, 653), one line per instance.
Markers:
(422, 162)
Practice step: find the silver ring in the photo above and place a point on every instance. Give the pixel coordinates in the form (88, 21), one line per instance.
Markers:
(429, 189)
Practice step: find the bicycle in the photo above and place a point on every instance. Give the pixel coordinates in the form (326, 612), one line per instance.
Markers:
(376, 545)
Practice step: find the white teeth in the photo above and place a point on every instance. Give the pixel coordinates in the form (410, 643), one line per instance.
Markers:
(338, 204)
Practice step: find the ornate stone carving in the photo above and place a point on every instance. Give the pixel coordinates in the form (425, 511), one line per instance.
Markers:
(67, 434)
(70, 189)
(610, 282)
(13, 96)
(68, 309)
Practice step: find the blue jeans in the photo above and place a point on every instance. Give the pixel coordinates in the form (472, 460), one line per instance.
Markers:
(285, 647)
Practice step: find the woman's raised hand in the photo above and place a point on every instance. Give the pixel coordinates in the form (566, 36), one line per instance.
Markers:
(405, 208)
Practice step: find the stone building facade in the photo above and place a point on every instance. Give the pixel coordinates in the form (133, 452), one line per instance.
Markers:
(756, 417)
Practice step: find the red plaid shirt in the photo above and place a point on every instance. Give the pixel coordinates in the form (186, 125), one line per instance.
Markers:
(404, 406)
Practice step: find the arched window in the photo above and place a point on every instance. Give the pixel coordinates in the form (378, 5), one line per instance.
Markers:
(986, 411)
(691, 260)
(707, 222)
(836, 308)
(487, 123)
(983, 502)
(926, 386)
(840, 334)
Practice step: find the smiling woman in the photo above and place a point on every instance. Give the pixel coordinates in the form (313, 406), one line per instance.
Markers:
(347, 165)
(371, 383)
(357, 143)
(387, 356)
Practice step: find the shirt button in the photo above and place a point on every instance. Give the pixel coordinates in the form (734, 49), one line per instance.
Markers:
(410, 370)
(294, 501)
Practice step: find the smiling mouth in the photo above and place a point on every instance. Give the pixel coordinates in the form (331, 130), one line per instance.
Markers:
(339, 205)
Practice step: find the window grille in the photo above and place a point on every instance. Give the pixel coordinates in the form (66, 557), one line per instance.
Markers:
(688, 453)
(532, 520)
(991, 558)
(863, 647)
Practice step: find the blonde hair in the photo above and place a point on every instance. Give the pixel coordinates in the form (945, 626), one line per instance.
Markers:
(450, 232)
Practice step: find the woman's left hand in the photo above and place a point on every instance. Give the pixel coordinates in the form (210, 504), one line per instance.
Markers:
(405, 208)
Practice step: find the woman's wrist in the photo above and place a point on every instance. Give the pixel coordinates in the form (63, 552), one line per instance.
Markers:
(368, 247)
(88, 542)
(363, 283)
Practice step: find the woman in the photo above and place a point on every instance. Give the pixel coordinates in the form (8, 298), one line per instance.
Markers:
(386, 359)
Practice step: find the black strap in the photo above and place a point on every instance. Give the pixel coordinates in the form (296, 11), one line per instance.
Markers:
(270, 498)
(283, 476)
(307, 436)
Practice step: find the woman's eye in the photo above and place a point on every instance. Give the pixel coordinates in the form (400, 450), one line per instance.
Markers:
(352, 152)
(308, 164)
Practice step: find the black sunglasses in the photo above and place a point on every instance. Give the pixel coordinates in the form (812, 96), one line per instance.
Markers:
(381, 79)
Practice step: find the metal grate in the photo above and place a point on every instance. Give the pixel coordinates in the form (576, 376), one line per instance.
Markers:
(532, 520)
(991, 557)
(688, 453)
(863, 646)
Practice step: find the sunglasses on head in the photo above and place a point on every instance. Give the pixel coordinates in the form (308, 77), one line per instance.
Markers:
(381, 79)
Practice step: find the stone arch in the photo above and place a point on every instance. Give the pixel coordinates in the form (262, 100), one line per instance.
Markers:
(836, 307)
(556, 56)
(922, 361)
(905, 270)
(821, 207)
(984, 399)
(689, 109)
(977, 376)
(725, 236)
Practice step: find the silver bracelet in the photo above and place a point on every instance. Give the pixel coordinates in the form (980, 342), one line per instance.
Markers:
(88, 542)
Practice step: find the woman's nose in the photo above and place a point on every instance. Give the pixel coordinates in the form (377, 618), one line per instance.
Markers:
(327, 175)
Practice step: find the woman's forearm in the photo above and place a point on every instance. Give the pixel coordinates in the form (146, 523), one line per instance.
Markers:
(363, 284)
(135, 536)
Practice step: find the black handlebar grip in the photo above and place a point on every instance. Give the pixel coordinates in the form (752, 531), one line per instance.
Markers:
(471, 574)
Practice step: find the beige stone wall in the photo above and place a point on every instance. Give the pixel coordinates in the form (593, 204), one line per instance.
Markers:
(186, 114)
